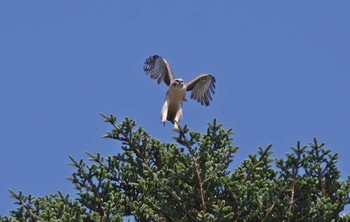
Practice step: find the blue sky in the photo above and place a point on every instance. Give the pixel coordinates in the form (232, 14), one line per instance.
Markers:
(282, 71)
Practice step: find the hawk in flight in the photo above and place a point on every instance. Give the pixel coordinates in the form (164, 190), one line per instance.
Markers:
(202, 87)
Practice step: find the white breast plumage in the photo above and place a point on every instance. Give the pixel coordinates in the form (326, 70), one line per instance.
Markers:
(175, 95)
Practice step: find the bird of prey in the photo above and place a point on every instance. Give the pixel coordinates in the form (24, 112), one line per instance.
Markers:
(202, 87)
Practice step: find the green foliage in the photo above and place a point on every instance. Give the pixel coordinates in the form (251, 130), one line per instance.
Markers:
(190, 180)
(52, 207)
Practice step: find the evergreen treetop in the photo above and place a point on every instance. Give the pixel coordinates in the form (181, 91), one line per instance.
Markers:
(191, 180)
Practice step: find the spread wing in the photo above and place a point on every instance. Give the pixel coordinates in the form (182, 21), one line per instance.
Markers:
(202, 88)
(159, 69)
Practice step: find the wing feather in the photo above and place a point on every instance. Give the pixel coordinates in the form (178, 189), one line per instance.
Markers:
(202, 88)
(158, 69)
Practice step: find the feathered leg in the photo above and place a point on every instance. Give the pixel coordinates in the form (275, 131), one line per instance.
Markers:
(177, 118)
(164, 112)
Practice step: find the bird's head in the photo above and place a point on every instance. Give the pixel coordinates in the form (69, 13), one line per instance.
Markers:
(178, 82)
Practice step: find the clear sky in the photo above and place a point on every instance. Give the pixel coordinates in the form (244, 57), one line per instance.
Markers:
(282, 71)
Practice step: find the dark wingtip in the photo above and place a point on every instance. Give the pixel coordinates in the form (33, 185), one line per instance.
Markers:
(149, 64)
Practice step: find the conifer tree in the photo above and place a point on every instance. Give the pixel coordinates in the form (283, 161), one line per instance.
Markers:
(191, 180)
